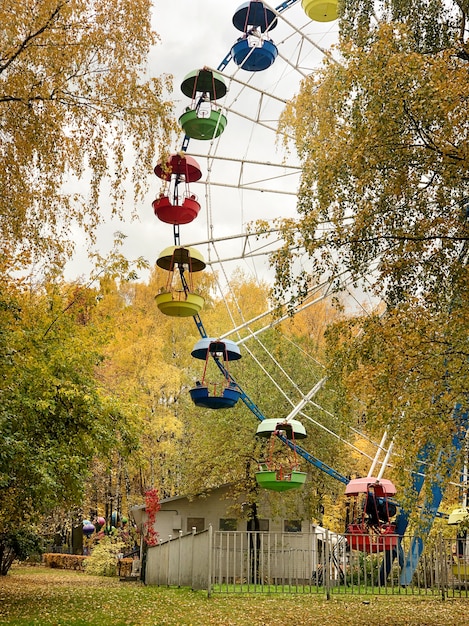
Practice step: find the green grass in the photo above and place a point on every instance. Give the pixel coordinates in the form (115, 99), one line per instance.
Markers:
(55, 597)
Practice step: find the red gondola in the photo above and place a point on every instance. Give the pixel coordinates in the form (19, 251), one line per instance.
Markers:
(254, 51)
(371, 528)
(169, 207)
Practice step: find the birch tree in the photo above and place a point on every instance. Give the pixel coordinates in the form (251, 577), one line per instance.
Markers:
(81, 119)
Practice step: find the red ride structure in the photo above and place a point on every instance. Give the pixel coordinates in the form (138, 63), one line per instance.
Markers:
(371, 528)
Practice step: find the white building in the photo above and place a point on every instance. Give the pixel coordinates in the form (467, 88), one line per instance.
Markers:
(284, 541)
(219, 509)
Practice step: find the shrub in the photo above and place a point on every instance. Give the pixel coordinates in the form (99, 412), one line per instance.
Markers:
(18, 544)
(103, 559)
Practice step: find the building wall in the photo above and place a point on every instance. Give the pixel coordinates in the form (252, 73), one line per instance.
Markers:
(181, 514)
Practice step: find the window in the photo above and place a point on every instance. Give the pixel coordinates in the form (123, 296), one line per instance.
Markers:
(263, 525)
(228, 523)
(195, 522)
(292, 526)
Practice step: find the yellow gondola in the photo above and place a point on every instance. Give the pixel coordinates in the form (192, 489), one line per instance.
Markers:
(321, 10)
(180, 301)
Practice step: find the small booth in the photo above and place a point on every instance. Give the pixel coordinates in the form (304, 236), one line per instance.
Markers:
(180, 300)
(203, 119)
(254, 51)
(222, 393)
(281, 470)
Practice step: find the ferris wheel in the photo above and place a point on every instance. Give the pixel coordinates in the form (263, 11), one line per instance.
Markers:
(229, 171)
(231, 160)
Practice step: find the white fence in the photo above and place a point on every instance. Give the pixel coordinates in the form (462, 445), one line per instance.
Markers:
(182, 561)
(261, 562)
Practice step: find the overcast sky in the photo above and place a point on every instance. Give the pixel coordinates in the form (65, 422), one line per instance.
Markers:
(194, 34)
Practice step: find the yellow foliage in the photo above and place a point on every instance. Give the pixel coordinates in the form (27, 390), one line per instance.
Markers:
(73, 109)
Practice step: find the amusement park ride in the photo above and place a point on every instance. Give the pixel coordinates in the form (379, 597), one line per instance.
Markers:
(373, 525)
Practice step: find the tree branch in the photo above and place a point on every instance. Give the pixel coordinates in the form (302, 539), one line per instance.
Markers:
(25, 43)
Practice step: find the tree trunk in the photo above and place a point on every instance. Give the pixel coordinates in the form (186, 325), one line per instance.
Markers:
(7, 556)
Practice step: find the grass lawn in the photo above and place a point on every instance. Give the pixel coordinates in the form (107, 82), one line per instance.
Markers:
(49, 596)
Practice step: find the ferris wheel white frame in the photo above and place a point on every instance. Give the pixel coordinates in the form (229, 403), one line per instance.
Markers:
(288, 169)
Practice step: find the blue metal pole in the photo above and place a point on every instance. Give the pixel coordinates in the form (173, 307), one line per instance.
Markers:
(431, 505)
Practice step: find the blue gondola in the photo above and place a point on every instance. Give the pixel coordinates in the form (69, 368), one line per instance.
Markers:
(222, 394)
(250, 56)
(226, 400)
(254, 51)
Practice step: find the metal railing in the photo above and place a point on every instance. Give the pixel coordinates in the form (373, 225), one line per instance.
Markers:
(261, 562)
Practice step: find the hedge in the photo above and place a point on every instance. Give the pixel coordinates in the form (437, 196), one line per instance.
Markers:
(76, 562)
(63, 561)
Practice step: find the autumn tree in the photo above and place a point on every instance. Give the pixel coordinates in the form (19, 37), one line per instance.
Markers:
(146, 362)
(147, 368)
(81, 117)
(382, 132)
(55, 417)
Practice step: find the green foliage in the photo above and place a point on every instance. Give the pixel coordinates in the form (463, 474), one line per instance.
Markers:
(17, 544)
(103, 558)
(54, 416)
